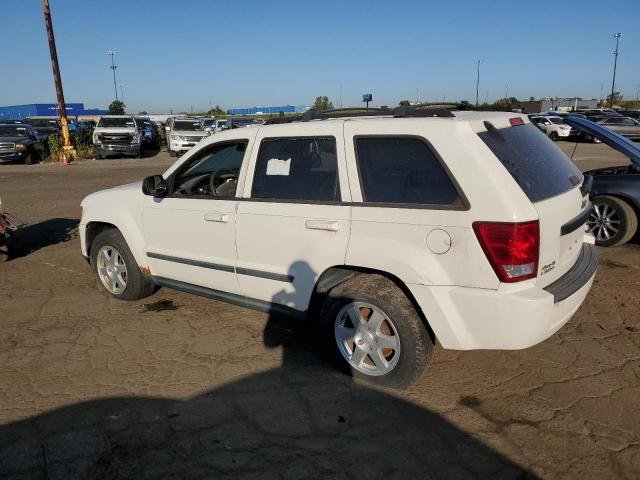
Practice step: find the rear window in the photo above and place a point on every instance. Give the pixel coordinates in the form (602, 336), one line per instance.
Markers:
(541, 169)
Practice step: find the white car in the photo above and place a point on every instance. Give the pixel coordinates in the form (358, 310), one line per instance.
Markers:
(117, 135)
(554, 127)
(183, 134)
(390, 233)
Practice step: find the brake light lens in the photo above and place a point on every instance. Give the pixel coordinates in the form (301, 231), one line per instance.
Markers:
(511, 248)
(515, 121)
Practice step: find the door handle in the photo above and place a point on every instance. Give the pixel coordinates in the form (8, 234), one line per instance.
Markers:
(216, 217)
(328, 225)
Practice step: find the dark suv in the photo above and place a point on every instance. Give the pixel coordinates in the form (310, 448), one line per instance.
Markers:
(19, 142)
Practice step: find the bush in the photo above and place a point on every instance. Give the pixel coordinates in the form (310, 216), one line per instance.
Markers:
(81, 142)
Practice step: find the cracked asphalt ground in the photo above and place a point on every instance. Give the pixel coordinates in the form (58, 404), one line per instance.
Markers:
(186, 387)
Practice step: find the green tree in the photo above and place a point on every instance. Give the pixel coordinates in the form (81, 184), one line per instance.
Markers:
(617, 99)
(322, 104)
(217, 111)
(116, 108)
(404, 103)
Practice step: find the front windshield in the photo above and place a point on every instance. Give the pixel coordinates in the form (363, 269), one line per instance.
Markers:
(143, 122)
(557, 121)
(43, 122)
(13, 131)
(190, 126)
(122, 122)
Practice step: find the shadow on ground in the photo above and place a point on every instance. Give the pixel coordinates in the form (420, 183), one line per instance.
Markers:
(31, 238)
(302, 420)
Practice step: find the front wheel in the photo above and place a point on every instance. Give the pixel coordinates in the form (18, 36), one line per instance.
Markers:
(553, 136)
(612, 221)
(371, 330)
(118, 273)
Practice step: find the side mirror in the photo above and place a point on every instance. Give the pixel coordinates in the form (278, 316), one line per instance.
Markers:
(155, 186)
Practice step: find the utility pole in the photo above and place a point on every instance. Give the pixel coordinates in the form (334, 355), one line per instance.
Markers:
(67, 149)
(615, 64)
(477, 83)
(601, 99)
(121, 93)
(638, 93)
(113, 67)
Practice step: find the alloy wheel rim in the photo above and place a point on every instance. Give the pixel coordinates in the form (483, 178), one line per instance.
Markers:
(367, 338)
(604, 222)
(112, 270)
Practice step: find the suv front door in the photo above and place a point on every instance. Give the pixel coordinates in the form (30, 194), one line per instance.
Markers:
(190, 233)
(292, 223)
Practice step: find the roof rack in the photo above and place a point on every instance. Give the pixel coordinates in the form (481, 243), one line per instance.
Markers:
(422, 110)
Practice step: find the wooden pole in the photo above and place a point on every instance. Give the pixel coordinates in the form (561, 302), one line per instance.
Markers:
(68, 152)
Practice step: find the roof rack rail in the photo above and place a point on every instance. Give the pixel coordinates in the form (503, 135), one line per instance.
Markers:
(422, 110)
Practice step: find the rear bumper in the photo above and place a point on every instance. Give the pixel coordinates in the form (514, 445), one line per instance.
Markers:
(473, 318)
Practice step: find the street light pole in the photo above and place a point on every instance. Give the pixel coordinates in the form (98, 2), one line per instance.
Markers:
(615, 64)
(67, 149)
(477, 83)
(121, 93)
(113, 67)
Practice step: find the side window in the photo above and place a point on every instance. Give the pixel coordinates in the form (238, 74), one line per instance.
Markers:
(297, 169)
(212, 172)
(403, 170)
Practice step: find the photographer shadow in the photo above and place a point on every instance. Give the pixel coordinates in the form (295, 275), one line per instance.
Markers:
(301, 420)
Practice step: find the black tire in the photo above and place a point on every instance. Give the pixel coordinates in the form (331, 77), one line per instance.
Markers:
(137, 285)
(622, 213)
(4, 252)
(31, 159)
(553, 136)
(416, 343)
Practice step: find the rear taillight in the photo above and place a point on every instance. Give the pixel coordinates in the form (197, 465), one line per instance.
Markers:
(511, 248)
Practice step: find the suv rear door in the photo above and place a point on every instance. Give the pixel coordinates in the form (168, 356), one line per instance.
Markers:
(292, 223)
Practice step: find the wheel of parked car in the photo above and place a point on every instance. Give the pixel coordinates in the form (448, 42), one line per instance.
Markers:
(370, 329)
(31, 158)
(117, 271)
(612, 221)
(554, 136)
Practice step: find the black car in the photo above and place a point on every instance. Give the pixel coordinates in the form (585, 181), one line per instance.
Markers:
(45, 126)
(614, 191)
(20, 143)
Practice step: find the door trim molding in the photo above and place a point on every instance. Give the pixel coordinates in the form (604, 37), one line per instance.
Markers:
(247, 302)
(279, 277)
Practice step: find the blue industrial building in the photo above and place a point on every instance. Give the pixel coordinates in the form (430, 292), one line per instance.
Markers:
(268, 110)
(46, 109)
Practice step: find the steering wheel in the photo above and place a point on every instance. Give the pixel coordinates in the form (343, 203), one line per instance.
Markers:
(222, 181)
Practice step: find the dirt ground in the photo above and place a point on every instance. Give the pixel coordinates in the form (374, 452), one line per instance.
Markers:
(193, 388)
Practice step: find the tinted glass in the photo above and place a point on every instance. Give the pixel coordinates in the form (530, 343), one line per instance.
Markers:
(187, 125)
(13, 131)
(404, 171)
(123, 122)
(539, 167)
(297, 169)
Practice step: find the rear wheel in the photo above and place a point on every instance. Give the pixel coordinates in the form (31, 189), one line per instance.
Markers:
(612, 221)
(117, 271)
(371, 330)
(553, 136)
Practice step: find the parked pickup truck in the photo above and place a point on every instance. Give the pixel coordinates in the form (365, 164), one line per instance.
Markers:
(117, 135)
(20, 143)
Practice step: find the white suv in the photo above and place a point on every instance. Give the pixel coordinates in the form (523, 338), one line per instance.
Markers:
(553, 126)
(183, 134)
(389, 232)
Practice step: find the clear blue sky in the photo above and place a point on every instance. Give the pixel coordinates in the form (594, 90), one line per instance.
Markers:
(174, 54)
